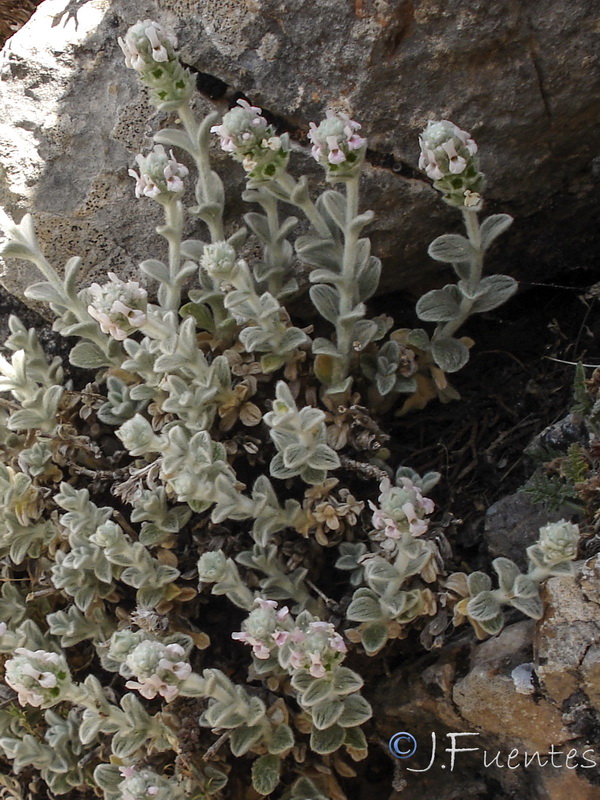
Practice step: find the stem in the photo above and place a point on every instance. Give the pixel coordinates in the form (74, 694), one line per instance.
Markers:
(289, 185)
(275, 282)
(471, 221)
(205, 174)
(173, 233)
(347, 285)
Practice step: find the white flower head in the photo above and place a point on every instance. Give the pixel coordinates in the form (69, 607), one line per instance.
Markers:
(145, 784)
(161, 175)
(559, 541)
(40, 678)
(262, 628)
(401, 509)
(145, 44)
(246, 135)
(448, 158)
(218, 260)
(160, 669)
(118, 306)
(337, 145)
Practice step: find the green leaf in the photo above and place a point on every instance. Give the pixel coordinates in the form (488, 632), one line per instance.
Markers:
(531, 606)
(156, 269)
(483, 606)
(368, 278)
(356, 711)
(327, 713)
(346, 681)
(492, 227)
(265, 773)
(243, 738)
(355, 739)
(317, 691)
(507, 572)
(88, 355)
(174, 138)
(440, 305)
(282, 740)
(326, 299)
(323, 457)
(449, 354)
(335, 205)
(328, 740)
(450, 247)
(321, 345)
(364, 609)
(373, 637)
(497, 289)
(46, 292)
(259, 225)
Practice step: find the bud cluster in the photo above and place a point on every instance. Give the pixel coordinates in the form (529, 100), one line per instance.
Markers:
(161, 175)
(402, 509)
(305, 644)
(448, 158)
(150, 51)
(41, 679)
(247, 136)
(119, 307)
(337, 146)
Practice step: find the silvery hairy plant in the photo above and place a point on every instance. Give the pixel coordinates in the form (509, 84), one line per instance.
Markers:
(186, 485)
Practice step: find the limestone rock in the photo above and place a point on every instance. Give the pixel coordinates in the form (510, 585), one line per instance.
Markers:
(522, 77)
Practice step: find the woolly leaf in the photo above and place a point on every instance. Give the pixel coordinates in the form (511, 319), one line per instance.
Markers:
(328, 740)
(265, 773)
(450, 247)
(449, 354)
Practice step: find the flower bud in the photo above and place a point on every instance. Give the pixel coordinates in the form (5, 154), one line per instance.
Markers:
(246, 135)
(558, 542)
(212, 566)
(119, 307)
(337, 145)
(448, 158)
(218, 260)
(41, 679)
(161, 176)
(145, 785)
(150, 51)
(159, 669)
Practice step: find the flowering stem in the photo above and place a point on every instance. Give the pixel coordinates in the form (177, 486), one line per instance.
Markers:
(347, 284)
(303, 202)
(199, 153)
(172, 232)
(472, 226)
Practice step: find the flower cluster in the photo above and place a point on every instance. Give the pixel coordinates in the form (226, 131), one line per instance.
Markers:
(119, 307)
(218, 260)
(402, 509)
(247, 136)
(144, 784)
(161, 176)
(159, 669)
(448, 158)
(262, 630)
(150, 51)
(307, 644)
(558, 542)
(41, 679)
(336, 145)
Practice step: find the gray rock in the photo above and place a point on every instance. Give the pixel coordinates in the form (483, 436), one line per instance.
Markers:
(512, 524)
(522, 77)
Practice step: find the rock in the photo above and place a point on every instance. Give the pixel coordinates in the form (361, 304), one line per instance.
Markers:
(487, 696)
(512, 524)
(74, 117)
(568, 640)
